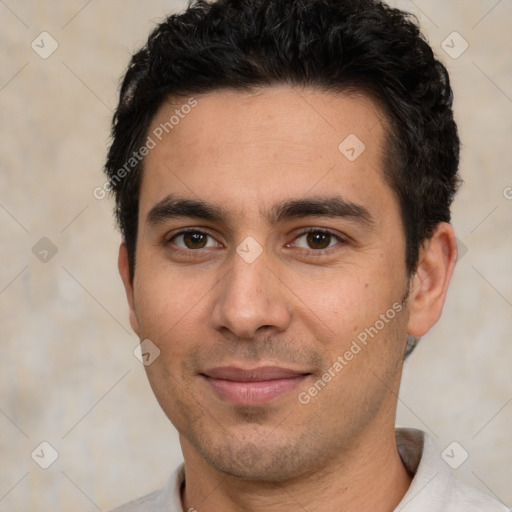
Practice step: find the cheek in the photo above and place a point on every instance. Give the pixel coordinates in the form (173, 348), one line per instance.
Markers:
(336, 308)
(167, 303)
(363, 310)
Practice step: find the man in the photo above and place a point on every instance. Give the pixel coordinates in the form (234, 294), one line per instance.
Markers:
(283, 173)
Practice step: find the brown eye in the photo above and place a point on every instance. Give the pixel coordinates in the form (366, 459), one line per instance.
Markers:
(317, 240)
(192, 240)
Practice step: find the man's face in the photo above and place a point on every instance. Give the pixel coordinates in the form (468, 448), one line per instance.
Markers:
(249, 311)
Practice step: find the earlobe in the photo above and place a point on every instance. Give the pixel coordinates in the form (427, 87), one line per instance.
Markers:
(429, 284)
(124, 270)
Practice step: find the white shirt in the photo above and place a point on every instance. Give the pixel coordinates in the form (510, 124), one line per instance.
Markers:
(433, 489)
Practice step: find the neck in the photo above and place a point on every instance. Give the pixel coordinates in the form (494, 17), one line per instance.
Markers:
(371, 477)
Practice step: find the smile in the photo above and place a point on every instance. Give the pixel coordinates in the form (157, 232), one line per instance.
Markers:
(253, 386)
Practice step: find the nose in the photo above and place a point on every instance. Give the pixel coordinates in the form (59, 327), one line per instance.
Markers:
(251, 298)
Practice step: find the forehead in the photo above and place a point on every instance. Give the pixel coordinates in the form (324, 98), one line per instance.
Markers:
(231, 147)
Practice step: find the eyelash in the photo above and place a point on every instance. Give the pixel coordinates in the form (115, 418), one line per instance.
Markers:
(314, 252)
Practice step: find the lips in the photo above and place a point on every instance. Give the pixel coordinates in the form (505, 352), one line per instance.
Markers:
(252, 386)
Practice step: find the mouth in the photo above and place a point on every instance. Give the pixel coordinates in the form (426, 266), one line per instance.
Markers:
(252, 386)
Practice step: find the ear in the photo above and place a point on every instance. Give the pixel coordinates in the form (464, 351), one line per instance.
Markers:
(124, 270)
(429, 284)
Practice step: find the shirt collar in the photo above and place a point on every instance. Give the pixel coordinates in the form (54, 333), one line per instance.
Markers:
(431, 477)
(432, 482)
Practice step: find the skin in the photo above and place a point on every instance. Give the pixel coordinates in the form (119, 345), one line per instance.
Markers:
(300, 304)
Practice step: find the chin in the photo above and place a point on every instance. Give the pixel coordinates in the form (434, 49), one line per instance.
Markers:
(262, 461)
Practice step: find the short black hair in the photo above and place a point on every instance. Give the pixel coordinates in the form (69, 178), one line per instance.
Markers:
(361, 46)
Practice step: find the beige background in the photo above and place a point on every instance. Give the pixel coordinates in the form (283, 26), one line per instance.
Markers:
(68, 374)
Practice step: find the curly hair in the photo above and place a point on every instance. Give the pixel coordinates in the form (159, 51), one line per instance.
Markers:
(333, 45)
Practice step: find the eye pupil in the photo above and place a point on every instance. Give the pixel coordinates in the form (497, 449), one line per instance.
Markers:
(196, 239)
(317, 237)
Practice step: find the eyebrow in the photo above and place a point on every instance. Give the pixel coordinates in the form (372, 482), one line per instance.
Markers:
(172, 207)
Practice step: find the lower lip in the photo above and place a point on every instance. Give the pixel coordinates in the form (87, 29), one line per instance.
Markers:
(254, 393)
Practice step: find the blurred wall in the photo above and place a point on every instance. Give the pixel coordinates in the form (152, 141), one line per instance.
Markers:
(68, 374)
